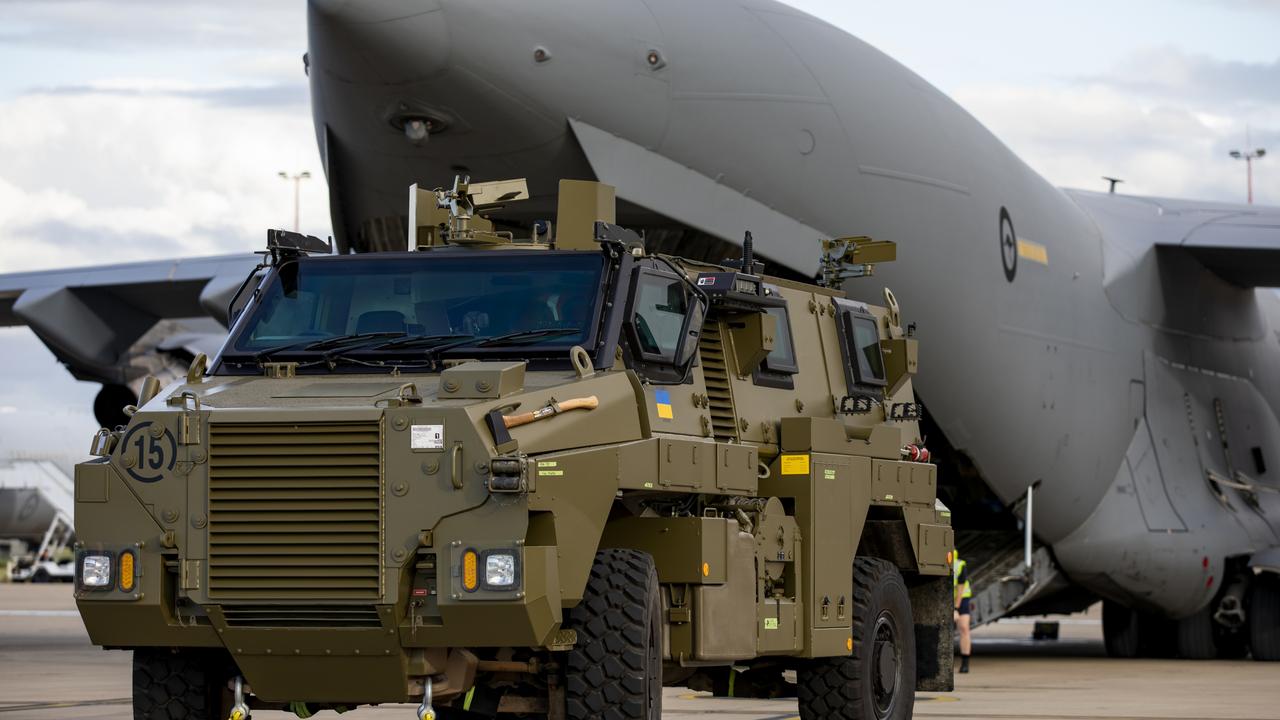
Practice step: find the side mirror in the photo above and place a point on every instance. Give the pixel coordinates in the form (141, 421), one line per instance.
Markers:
(691, 331)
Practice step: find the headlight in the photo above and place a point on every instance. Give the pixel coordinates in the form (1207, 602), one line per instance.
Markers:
(95, 571)
(500, 570)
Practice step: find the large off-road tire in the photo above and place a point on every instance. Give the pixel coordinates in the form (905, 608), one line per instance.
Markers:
(180, 685)
(1264, 617)
(615, 670)
(878, 681)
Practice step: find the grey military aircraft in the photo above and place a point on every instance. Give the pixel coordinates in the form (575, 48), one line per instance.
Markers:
(1101, 371)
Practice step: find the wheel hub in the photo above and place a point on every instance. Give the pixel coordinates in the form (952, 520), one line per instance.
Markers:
(886, 664)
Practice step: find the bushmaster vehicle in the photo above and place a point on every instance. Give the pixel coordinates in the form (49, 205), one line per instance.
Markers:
(536, 477)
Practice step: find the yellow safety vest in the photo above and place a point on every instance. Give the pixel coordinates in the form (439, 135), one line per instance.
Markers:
(956, 568)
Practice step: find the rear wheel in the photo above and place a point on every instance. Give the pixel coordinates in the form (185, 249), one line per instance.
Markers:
(1264, 617)
(615, 669)
(180, 685)
(878, 680)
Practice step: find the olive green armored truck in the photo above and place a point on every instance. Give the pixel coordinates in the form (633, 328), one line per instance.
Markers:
(542, 477)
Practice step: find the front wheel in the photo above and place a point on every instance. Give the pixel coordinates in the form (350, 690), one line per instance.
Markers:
(615, 669)
(180, 685)
(878, 680)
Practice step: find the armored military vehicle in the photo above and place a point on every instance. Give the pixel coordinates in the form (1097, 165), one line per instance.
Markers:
(537, 477)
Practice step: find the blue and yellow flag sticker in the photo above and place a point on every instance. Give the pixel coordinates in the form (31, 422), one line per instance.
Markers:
(662, 399)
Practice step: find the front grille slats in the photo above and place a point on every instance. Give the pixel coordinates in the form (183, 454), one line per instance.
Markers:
(302, 616)
(295, 514)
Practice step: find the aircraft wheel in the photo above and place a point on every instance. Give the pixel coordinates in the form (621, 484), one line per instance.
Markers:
(1129, 633)
(1120, 631)
(179, 685)
(615, 670)
(1264, 617)
(877, 681)
(41, 576)
(1196, 639)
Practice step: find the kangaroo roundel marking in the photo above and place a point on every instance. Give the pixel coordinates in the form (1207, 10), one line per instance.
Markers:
(1008, 245)
(150, 456)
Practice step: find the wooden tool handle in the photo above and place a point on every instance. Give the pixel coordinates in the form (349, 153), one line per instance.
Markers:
(583, 403)
(590, 402)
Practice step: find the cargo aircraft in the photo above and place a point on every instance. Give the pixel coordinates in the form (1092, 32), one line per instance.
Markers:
(1100, 372)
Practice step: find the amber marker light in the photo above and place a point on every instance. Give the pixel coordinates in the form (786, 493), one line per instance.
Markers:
(126, 571)
(470, 571)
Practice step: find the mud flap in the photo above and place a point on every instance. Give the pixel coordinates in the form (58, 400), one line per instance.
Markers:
(931, 610)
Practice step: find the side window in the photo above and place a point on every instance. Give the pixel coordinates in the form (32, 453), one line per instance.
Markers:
(860, 346)
(780, 364)
(658, 315)
(866, 344)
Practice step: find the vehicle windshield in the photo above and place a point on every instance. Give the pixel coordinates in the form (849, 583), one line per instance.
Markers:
(411, 304)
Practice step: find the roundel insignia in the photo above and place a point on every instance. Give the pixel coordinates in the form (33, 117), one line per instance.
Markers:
(146, 456)
(1008, 245)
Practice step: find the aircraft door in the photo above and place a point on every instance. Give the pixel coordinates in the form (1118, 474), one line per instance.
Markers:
(1204, 426)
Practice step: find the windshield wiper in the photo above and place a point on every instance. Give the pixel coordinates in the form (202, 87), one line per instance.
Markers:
(524, 336)
(415, 341)
(322, 344)
(340, 340)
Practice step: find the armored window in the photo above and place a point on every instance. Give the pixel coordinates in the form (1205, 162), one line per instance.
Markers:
(780, 364)
(860, 343)
(658, 315)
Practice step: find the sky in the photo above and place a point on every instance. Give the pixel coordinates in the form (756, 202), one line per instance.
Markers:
(146, 129)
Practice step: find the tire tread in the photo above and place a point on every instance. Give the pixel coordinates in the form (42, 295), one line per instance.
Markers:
(607, 673)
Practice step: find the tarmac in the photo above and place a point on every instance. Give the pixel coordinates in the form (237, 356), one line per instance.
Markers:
(49, 671)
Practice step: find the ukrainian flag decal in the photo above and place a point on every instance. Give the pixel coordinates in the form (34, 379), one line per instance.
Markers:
(662, 399)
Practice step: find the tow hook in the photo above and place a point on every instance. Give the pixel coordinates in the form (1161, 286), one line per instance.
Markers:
(425, 711)
(239, 711)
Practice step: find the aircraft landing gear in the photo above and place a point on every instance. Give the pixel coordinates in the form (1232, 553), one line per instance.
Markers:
(1264, 617)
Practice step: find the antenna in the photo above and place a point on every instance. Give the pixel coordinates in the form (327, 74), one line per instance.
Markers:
(1114, 182)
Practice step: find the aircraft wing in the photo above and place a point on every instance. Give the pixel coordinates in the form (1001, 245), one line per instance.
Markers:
(1239, 243)
(93, 318)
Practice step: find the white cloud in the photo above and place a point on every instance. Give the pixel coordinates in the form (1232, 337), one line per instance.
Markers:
(1163, 121)
(97, 175)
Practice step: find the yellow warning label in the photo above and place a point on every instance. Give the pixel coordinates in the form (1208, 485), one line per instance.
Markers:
(1033, 251)
(771, 623)
(795, 464)
(551, 473)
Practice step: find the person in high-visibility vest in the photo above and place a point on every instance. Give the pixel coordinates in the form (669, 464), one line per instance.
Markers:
(963, 592)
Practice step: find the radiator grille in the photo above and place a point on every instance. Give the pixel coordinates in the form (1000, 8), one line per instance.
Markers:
(295, 511)
(715, 370)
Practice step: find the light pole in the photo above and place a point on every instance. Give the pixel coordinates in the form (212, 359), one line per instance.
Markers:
(1248, 156)
(297, 185)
